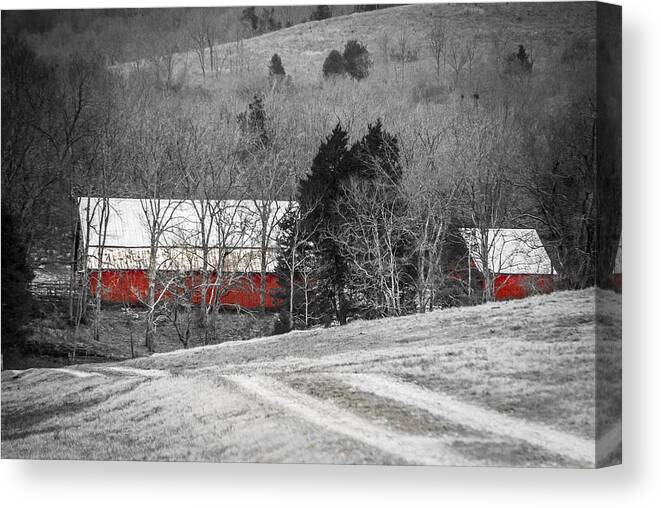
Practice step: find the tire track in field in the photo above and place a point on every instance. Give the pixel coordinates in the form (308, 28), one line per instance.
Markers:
(413, 449)
(478, 418)
(15, 374)
(132, 371)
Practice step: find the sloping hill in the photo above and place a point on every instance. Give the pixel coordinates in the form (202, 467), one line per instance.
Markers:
(499, 384)
(542, 27)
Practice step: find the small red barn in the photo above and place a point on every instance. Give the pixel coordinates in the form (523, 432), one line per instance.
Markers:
(117, 236)
(517, 258)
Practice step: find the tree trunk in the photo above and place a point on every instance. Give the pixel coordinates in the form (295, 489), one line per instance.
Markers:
(291, 283)
(340, 307)
(151, 302)
(262, 282)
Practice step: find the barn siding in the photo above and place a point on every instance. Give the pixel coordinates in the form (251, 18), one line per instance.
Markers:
(516, 286)
(131, 287)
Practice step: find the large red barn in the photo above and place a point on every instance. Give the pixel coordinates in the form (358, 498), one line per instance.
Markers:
(517, 259)
(232, 230)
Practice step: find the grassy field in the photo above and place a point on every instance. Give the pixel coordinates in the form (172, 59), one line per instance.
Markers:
(500, 384)
(410, 99)
(51, 342)
(303, 47)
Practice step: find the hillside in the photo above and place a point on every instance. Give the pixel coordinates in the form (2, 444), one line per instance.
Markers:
(411, 99)
(303, 47)
(499, 384)
(413, 102)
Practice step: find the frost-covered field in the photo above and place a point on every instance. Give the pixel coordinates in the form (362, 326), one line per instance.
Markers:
(500, 384)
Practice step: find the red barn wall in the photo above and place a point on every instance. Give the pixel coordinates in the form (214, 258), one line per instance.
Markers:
(131, 286)
(512, 287)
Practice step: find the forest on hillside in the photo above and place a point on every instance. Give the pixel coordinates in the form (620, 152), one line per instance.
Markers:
(389, 147)
(124, 35)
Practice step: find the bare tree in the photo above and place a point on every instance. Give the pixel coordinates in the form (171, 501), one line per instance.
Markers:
(154, 164)
(205, 30)
(162, 43)
(457, 57)
(384, 46)
(485, 147)
(74, 133)
(110, 161)
(404, 49)
(370, 234)
(433, 191)
(560, 178)
(297, 256)
(437, 42)
(269, 212)
(197, 31)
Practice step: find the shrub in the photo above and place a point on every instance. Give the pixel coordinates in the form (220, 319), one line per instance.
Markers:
(282, 323)
(249, 18)
(357, 59)
(267, 21)
(428, 92)
(519, 62)
(321, 12)
(453, 293)
(334, 65)
(253, 121)
(410, 55)
(275, 66)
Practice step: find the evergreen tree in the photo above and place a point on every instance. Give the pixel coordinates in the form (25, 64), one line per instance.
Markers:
(321, 12)
(373, 164)
(268, 22)
(520, 61)
(377, 150)
(275, 66)
(253, 121)
(334, 65)
(357, 59)
(368, 7)
(249, 17)
(16, 277)
(316, 195)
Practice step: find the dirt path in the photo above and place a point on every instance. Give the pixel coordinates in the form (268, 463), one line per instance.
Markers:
(574, 447)
(346, 360)
(413, 449)
(131, 371)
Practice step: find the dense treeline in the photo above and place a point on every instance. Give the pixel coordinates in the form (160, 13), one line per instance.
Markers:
(481, 135)
(123, 35)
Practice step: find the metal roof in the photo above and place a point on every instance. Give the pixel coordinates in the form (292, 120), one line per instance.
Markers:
(511, 251)
(232, 225)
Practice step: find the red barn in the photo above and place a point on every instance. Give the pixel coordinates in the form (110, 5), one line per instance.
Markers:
(121, 237)
(516, 257)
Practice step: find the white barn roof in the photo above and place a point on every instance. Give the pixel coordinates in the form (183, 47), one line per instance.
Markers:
(511, 251)
(234, 225)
